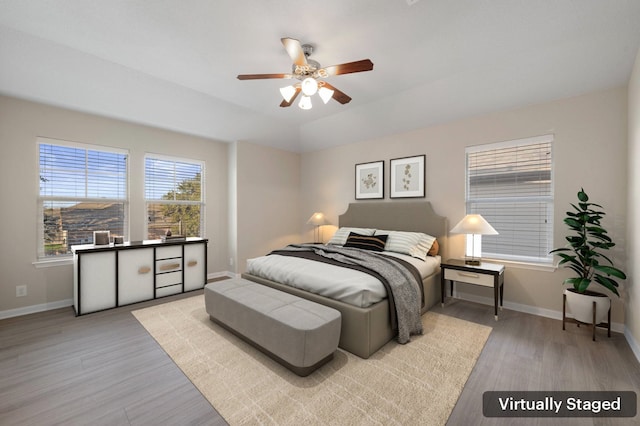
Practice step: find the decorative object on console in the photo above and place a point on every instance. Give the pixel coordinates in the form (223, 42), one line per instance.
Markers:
(317, 220)
(475, 226)
(370, 180)
(168, 238)
(407, 177)
(118, 239)
(585, 244)
(101, 238)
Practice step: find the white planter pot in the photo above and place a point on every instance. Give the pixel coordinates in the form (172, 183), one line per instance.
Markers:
(581, 305)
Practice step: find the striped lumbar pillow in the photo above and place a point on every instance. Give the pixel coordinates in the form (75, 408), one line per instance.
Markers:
(340, 237)
(366, 242)
(415, 244)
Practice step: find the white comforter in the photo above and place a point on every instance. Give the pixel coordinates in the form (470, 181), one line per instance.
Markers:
(344, 284)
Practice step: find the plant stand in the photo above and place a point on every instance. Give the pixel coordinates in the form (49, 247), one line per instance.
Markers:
(606, 325)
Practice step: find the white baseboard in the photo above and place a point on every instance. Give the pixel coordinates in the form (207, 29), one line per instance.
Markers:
(10, 313)
(547, 313)
(633, 343)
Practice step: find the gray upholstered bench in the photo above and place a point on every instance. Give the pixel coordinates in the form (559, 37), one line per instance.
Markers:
(300, 334)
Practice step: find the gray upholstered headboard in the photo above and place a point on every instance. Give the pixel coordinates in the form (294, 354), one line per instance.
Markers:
(414, 216)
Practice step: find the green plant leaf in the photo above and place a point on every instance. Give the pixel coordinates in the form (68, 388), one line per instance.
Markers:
(582, 196)
(583, 284)
(596, 230)
(608, 283)
(572, 222)
(610, 270)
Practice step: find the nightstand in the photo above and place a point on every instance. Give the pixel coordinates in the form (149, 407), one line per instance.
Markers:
(486, 275)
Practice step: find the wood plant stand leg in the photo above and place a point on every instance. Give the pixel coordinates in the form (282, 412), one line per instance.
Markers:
(594, 321)
(564, 309)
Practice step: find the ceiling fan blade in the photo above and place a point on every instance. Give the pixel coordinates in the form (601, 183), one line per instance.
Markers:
(262, 76)
(350, 67)
(338, 95)
(284, 103)
(294, 49)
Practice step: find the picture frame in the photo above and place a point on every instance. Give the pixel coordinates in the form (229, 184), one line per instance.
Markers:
(407, 177)
(369, 180)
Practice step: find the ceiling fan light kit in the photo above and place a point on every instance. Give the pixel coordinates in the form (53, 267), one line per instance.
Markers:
(309, 72)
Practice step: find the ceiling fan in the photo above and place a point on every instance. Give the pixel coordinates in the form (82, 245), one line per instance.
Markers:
(311, 76)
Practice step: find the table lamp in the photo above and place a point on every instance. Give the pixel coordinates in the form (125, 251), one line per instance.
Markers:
(317, 219)
(474, 226)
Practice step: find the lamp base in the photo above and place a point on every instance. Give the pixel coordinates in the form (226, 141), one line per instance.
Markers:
(473, 262)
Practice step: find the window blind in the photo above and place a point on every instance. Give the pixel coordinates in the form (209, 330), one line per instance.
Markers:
(82, 189)
(174, 196)
(511, 185)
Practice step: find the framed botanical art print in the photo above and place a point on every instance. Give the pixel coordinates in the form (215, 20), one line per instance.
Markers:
(407, 177)
(370, 180)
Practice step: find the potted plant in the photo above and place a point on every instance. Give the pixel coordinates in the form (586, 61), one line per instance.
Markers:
(584, 255)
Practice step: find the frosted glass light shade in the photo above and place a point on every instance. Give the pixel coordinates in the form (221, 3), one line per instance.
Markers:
(325, 94)
(309, 86)
(305, 102)
(288, 92)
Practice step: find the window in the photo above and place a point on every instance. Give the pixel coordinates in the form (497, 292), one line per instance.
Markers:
(511, 185)
(83, 189)
(174, 197)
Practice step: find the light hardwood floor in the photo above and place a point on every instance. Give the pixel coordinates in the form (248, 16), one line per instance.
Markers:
(104, 368)
(96, 369)
(531, 353)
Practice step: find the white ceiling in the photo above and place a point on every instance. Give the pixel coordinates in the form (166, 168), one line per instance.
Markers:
(173, 63)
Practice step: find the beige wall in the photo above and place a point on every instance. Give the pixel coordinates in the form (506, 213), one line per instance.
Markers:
(633, 193)
(21, 122)
(267, 200)
(589, 151)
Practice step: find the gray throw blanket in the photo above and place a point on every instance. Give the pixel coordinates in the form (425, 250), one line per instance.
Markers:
(406, 289)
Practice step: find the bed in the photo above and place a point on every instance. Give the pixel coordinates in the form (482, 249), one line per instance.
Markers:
(367, 329)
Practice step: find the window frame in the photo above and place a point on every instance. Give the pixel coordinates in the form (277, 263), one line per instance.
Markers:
(201, 203)
(546, 261)
(41, 256)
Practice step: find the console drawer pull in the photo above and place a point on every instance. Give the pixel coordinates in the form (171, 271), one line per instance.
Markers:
(169, 266)
(144, 270)
(467, 274)
(192, 263)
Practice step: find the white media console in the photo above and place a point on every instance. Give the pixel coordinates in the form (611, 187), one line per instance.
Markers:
(106, 277)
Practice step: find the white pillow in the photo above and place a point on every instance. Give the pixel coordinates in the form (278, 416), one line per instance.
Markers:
(415, 244)
(340, 237)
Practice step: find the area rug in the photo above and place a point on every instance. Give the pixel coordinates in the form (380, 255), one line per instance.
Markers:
(416, 383)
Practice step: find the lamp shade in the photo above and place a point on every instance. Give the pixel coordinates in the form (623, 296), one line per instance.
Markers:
(309, 86)
(305, 102)
(287, 93)
(317, 219)
(325, 94)
(474, 224)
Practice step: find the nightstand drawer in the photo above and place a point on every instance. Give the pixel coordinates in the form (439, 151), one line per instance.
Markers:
(469, 277)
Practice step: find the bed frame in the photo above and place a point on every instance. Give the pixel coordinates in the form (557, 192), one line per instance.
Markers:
(365, 330)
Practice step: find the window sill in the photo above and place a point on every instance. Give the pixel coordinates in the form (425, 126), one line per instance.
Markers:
(546, 267)
(48, 263)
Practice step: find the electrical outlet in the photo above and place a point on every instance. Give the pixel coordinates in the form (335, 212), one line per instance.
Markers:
(412, 2)
(21, 290)
(231, 261)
